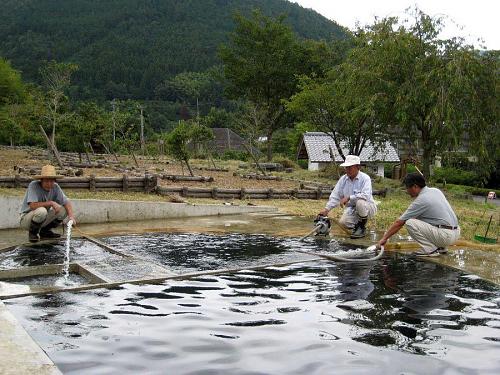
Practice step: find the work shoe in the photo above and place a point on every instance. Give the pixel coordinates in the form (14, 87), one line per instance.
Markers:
(359, 230)
(423, 253)
(33, 231)
(442, 250)
(47, 234)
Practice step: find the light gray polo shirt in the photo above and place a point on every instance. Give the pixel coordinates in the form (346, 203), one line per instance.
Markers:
(36, 193)
(432, 207)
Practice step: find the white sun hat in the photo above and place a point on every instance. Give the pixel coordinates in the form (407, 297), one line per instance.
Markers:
(351, 160)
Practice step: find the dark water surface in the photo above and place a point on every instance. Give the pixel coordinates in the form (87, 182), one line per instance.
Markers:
(395, 316)
(42, 254)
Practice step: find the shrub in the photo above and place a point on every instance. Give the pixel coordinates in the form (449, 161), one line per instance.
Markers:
(284, 161)
(332, 170)
(234, 155)
(303, 163)
(456, 176)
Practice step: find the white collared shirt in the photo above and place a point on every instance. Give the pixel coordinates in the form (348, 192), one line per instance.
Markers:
(359, 187)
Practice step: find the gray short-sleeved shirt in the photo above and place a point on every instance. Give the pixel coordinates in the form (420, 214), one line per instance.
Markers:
(36, 193)
(432, 207)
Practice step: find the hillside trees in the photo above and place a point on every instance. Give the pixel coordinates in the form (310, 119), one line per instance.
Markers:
(11, 85)
(12, 92)
(262, 64)
(124, 49)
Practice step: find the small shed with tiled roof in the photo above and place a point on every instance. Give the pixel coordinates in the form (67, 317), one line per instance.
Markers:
(317, 148)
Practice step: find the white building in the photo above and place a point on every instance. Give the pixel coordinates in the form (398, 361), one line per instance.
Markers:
(318, 147)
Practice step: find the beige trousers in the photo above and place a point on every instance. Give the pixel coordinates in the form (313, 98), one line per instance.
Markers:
(430, 237)
(41, 215)
(363, 209)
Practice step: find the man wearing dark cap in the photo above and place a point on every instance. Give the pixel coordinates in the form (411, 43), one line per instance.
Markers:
(429, 219)
(45, 206)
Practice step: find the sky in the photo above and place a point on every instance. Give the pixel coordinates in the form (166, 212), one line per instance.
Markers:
(471, 19)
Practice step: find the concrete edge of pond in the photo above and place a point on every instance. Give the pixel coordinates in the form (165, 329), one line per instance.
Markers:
(106, 211)
(20, 353)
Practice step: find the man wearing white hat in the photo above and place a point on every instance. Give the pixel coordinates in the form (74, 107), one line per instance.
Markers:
(45, 206)
(354, 192)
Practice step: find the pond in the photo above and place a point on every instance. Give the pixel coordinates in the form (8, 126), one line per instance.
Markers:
(396, 315)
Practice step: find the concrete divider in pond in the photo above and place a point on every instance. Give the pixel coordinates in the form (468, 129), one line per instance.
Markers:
(104, 211)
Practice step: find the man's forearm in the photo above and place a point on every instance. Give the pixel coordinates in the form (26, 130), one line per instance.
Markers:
(35, 205)
(393, 229)
(69, 209)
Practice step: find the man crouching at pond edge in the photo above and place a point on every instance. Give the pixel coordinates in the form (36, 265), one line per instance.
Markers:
(430, 220)
(354, 192)
(45, 206)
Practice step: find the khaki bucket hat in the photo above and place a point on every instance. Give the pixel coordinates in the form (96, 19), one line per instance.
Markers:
(48, 171)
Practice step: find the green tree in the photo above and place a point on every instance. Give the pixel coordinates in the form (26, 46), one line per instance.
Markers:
(438, 90)
(262, 63)
(91, 123)
(56, 78)
(348, 103)
(183, 140)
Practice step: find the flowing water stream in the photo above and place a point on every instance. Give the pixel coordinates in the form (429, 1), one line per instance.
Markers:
(68, 248)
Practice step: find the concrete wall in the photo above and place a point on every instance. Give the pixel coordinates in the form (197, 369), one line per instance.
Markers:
(100, 211)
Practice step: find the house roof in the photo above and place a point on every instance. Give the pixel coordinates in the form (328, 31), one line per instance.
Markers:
(316, 147)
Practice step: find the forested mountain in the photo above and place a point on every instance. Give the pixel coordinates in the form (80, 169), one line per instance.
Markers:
(126, 48)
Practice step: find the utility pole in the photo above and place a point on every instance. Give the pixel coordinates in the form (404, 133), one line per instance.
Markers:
(113, 104)
(142, 129)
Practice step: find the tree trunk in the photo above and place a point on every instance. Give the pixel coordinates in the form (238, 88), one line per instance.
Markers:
(189, 168)
(428, 153)
(269, 145)
(53, 135)
(52, 147)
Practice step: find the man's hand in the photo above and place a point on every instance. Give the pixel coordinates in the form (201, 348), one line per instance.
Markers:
(381, 243)
(324, 212)
(344, 201)
(56, 207)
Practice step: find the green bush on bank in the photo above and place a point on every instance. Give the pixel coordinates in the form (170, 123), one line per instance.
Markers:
(456, 176)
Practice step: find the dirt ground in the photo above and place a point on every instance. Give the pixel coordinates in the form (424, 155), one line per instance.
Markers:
(13, 158)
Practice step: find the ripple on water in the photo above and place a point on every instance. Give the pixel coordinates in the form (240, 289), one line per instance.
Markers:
(397, 315)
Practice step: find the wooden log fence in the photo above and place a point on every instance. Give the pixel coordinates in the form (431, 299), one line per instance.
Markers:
(147, 183)
(212, 169)
(186, 178)
(219, 193)
(259, 177)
